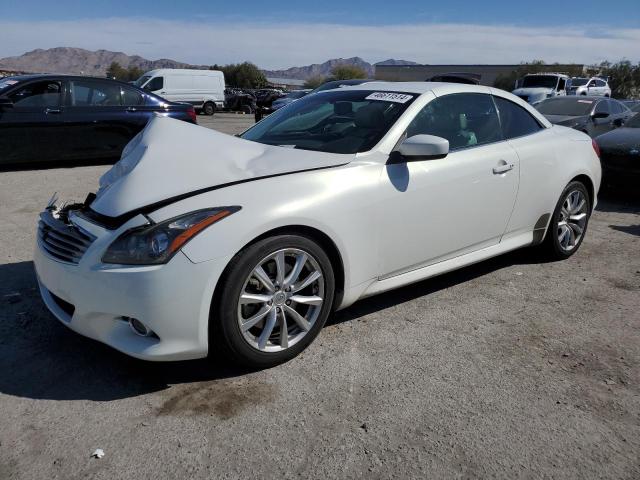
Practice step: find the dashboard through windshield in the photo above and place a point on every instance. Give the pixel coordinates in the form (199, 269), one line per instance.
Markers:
(341, 121)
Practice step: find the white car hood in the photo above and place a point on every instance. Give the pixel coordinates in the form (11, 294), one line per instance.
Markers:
(534, 91)
(173, 158)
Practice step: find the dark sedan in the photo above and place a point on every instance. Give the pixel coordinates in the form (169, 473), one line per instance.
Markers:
(45, 118)
(591, 115)
(620, 152)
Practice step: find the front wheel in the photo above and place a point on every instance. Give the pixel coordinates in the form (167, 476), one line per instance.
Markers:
(275, 297)
(569, 222)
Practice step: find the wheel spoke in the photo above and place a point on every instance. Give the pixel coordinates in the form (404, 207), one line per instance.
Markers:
(268, 329)
(579, 206)
(280, 266)
(577, 217)
(307, 281)
(264, 279)
(247, 298)
(563, 236)
(284, 333)
(304, 300)
(299, 319)
(251, 322)
(577, 229)
(572, 237)
(301, 260)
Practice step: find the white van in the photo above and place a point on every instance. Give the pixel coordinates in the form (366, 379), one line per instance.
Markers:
(204, 89)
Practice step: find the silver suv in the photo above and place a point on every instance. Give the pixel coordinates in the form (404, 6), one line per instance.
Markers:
(593, 87)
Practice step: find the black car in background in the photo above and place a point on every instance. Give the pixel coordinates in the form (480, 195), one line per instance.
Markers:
(45, 118)
(338, 84)
(620, 152)
(591, 115)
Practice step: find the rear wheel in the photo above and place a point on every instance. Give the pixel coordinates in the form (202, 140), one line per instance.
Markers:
(276, 296)
(209, 108)
(569, 222)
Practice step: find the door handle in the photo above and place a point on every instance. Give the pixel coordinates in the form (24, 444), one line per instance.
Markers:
(52, 110)
(503, 168)
(132, 109)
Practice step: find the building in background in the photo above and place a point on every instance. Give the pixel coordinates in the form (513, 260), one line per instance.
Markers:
(286, 83)
(488, 73)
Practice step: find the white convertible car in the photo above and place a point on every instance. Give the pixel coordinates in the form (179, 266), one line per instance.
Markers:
(199, 242)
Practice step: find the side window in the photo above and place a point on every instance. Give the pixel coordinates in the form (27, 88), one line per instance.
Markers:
(156, 83)
(602, 107)
(615, 107)
(465, 119)
(515, 120)
(38, 94)
(600, 83)
(562, 84)
(131, 97)
(91, 93)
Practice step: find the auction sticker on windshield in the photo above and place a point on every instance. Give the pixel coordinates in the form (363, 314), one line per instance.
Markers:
(390, 97)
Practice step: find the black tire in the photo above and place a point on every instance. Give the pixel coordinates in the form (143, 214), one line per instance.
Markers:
(226, 339)
(551, 244)
(247, 109)
(209, 108)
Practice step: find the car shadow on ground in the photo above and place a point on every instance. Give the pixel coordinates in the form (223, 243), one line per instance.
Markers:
(42, 359)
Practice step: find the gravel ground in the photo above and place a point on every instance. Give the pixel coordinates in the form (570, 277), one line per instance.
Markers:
(512, 368)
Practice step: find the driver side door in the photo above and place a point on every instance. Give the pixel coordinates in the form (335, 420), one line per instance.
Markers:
(435, 210)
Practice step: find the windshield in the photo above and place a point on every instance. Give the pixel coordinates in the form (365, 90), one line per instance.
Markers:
(578, 82)
(341, 121)
(572, 107)
(7, 82)
(142, 80)
(633, 122)
(539, 81)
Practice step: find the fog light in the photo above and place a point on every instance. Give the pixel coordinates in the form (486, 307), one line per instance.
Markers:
(139, 328)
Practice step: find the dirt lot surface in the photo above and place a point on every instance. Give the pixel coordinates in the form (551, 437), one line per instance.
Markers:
(512, 368)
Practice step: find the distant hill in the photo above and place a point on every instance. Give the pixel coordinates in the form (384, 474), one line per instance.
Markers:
(324, 69)
(81, 61)
(87, 62)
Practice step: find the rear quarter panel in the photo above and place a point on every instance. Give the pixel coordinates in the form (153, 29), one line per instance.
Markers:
(549, 160)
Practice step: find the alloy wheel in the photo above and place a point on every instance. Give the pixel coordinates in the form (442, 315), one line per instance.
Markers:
(572, 220)
(280, 300)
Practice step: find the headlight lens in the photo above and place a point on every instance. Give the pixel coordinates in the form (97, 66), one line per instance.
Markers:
(158, 243)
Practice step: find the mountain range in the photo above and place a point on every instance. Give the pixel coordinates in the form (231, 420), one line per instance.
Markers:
(87, 62)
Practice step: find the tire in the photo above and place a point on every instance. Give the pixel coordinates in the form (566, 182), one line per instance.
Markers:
(247, 109)
(256, 345)
(209, 108)
(565, 232)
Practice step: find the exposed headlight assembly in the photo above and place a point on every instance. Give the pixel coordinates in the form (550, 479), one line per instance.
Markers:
(157, 243)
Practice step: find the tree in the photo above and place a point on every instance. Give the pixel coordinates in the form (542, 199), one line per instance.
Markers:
(315, 81)
(347, 72)
(118, 72)
(624, 78)
(243, 75)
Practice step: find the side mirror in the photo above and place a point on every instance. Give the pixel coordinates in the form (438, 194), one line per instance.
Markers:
(595, 115)
(5, 103)
(420, 147)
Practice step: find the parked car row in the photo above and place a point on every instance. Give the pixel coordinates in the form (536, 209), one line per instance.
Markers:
(534, 88)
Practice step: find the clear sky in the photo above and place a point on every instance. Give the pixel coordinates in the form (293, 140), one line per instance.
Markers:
(286, 33)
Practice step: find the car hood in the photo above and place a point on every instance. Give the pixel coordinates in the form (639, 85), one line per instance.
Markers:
(620, 140)
(533, 92)
(566, 120)
(170, 159)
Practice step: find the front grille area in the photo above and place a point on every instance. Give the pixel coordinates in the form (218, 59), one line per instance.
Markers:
(62, 241)
(66, 307)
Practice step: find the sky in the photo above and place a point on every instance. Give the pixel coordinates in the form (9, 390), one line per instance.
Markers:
(280, 34)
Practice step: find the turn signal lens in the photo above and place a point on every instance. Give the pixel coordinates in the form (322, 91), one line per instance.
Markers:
(596, 147)
(157, 243)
